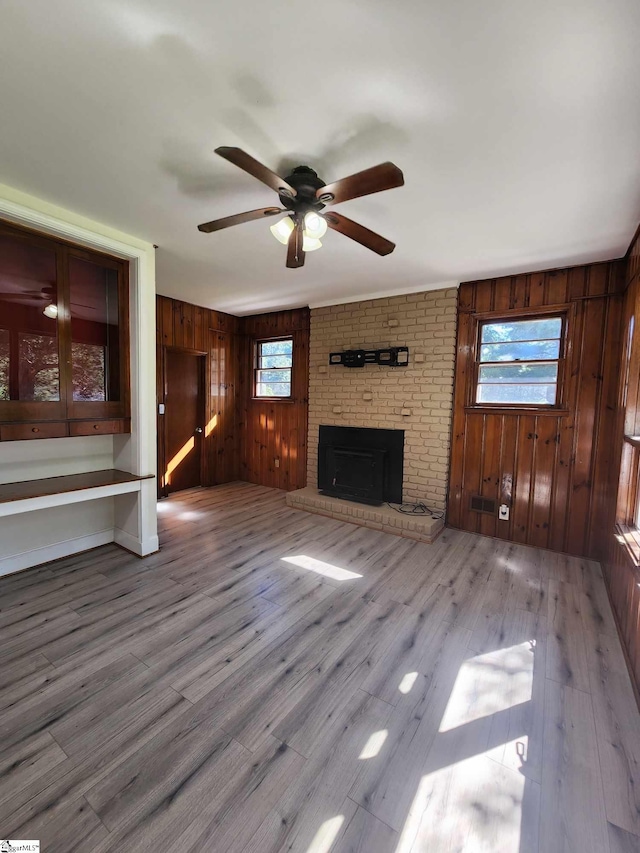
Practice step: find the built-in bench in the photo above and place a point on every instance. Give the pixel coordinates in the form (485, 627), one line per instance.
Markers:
(71, 488)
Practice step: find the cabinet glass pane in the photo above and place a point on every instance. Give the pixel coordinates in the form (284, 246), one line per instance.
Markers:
(4, 364)
(95, 333)
(29, 361)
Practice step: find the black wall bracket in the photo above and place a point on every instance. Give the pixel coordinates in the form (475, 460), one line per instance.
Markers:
(389, 357)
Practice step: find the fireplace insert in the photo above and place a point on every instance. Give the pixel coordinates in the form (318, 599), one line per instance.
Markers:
(361, 464)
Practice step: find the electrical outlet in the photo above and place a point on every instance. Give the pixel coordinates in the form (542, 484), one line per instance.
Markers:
(277, 463)
(503, 513)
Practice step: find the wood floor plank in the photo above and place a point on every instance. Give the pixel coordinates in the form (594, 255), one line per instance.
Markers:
(306, 811)
(230, 823)
(63, 785)
(475, 805)
(572, 798)
(618, 735)
(62, 697)
(519, 731)
(465, 696)
(387, 787)
(621, 841)
(364, 833)
(140, 801)
(72, 829)
(22, 668)
(566, 651)
(31, 758)
(410, 651)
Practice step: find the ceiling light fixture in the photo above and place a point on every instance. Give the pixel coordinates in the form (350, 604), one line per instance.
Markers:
(315, 227)
(282, 229)
(51, 311)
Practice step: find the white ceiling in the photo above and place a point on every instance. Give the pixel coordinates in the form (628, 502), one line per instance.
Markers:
(516, 123)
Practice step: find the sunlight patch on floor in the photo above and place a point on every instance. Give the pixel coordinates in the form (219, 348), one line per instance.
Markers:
(473, 805)
(374, 744)
(191, 515)
(319, 567)
(489, 683)
(408, 680)
(323, 839)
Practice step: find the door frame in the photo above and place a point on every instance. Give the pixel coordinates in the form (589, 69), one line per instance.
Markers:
(163, 450)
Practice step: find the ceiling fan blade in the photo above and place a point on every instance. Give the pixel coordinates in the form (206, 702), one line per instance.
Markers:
(295, 255)
(228, 221)
(246, 162)
(364, 236)
(386, 176)
(20, 297)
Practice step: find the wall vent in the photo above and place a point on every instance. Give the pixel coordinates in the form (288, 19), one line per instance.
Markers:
(480, 504)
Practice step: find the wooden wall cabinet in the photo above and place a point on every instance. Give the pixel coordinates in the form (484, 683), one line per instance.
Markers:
(64, 338)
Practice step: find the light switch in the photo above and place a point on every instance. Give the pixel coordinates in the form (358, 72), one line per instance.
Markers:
(161, 408)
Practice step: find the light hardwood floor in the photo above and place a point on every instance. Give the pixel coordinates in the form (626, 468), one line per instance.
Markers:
(278, 681)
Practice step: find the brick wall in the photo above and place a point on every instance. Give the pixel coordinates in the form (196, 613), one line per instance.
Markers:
(374, 396)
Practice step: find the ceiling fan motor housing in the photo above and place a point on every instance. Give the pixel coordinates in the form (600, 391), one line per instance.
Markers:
(306, 183)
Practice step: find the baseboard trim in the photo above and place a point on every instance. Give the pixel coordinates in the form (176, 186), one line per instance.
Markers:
(136, 546)
(38, 556)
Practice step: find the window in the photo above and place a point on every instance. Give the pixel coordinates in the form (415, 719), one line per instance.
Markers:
(273, 365)
(519, 361)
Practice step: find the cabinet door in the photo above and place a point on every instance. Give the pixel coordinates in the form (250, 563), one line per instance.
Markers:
(32, 385)
(98, 354)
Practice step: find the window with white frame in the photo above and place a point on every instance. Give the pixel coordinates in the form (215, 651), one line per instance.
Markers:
(273, 367)
(519, 361)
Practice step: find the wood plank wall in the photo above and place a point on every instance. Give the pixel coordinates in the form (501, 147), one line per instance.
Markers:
(270, 431)
(190, 327)
(246, 436)
(620, 562)
(552, 469)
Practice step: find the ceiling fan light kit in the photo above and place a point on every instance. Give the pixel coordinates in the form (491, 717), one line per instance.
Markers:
(51, 311)
(304, 196)
(314, 228)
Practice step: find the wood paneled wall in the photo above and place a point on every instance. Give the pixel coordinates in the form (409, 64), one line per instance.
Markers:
(244, 436)
(621, 551)
(189, 327)
(274, 432)
(552, 468)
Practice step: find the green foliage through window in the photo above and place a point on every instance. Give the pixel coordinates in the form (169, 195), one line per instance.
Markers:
(274, 362)
(519, 362)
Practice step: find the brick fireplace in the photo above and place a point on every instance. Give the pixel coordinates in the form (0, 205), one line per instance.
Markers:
(416, 399)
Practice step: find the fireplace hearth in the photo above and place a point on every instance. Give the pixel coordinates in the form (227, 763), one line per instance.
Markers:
(361, 464)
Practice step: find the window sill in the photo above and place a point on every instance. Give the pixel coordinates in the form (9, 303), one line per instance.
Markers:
(517, 410)
(273, 400)
(629, 540)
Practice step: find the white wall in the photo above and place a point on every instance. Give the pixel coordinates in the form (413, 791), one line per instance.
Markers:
(35, 537)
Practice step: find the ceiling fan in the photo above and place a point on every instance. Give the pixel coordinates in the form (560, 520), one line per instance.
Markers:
(44, 294)
(303, 196)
